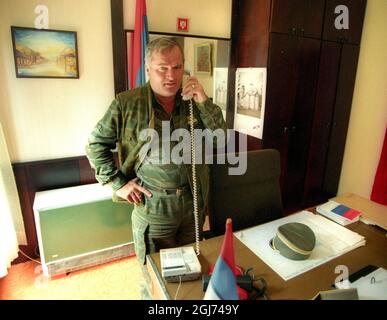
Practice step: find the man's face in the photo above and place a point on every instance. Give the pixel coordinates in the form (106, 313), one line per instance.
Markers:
(165, 72)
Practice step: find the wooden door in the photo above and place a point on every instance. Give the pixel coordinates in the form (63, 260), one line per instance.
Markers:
(292, 77)
(325, 100)
(298, 17)
(308, 51)
(342, 109)
(282, 79)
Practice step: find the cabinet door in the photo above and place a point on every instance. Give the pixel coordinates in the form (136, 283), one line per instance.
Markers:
(324, 106)
(298, 17)
(342, 110)
(353, 11)
(302, 118)
(292, 77)
(282, 79)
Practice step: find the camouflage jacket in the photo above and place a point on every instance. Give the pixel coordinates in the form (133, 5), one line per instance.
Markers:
(120, 127)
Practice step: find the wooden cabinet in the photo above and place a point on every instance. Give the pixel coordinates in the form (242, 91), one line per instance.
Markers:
(311, 69)
(298, 17)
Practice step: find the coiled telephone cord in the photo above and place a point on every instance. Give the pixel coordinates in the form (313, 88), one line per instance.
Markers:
(194, 185)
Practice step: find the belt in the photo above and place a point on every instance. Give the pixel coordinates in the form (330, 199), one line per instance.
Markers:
(177, 191)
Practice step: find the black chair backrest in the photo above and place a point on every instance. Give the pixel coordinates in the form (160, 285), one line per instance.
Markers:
(249, 199)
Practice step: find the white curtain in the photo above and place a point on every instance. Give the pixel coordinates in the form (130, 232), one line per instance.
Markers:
(12, 233)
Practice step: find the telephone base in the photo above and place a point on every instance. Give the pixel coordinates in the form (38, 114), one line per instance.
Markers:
(184, 277)
(180, 264)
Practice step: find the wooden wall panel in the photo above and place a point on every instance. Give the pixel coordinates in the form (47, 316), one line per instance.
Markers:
(119, 46)
(253, 37)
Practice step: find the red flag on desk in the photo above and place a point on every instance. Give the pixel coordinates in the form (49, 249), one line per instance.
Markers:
(223, 284)
(140, 39)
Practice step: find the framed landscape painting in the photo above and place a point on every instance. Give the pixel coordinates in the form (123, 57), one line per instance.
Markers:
(44, 53)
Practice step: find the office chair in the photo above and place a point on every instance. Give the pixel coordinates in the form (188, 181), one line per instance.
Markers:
(250, 199)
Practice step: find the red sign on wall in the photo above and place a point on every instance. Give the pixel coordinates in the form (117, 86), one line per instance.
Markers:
(182, 24)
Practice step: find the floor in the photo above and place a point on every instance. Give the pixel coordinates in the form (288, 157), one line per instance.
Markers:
(118, 280)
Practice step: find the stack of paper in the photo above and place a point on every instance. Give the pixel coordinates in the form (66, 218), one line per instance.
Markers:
(370, 287)
(339, 213)
(332, 240)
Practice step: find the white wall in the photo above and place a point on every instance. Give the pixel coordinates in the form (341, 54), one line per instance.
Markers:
(369, 106)
(52, 118)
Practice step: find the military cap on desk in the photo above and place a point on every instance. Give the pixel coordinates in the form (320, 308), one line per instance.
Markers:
(294, 241)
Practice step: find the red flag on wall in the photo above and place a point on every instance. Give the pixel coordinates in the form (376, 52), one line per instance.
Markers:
(139, 41)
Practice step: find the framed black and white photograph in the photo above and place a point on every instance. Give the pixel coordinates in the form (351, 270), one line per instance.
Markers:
(250, 96)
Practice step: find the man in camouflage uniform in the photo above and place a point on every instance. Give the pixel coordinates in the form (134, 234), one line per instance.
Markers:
(164, 217)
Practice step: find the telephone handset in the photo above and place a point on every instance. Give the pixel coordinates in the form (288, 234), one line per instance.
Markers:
(187, 73)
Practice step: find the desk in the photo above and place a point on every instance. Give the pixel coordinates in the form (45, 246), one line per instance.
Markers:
(304, 286)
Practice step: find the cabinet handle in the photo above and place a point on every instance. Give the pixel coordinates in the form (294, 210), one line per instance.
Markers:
(341, 39)
(293, 129)
(302, 31)
(285, 129)
(294, 31)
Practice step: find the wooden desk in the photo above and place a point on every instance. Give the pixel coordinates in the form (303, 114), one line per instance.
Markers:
(304, 286)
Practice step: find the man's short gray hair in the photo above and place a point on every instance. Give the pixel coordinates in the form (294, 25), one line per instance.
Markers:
(161, 45)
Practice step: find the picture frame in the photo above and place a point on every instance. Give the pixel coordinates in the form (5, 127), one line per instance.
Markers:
(250, 100)
(45, 53)
(203, 61)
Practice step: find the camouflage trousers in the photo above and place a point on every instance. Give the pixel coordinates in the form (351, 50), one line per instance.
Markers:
(164, 221)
